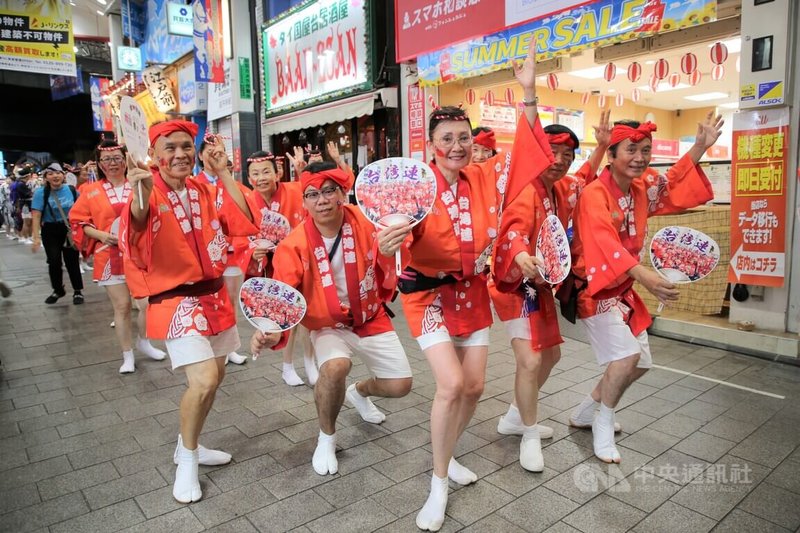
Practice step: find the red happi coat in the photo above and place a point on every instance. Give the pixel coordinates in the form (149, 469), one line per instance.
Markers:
(519, 228)
(97, 207)
(456, 238)
(166, 257)
(286, 200)
(610, 236)
(301, 261)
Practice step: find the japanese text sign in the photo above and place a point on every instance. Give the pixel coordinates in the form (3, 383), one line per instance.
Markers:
(314, 53)
(758, 197)
(36, 39)
(416, 122)
(160, 89)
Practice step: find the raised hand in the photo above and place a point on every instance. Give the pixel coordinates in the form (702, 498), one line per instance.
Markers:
(297, 160)
(526, 73)
(708, 131)
(333, 152)
(602, 132)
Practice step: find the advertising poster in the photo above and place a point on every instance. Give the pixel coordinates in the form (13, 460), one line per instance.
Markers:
(160, 46)
(62, 87)
(134, 19)
(575, 28)
(758, 197)
(208, 51)
(416, 122)
(101, 110)
(316, 53)
(36, 37)
(193, 95)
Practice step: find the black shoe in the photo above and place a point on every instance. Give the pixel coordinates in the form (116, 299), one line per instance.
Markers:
(5, 290)
(53, 298)
(77, 298)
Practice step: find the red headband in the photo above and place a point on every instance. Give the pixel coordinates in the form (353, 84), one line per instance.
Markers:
(307, 179)
(486, 138)
(561, 138)
(268, 157)
(171, 126)
(620, 132)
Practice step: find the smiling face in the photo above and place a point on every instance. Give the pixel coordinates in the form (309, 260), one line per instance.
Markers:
(480, 153)
(55, 178)
(324, 205)
(174, 155)
(263, 177)
(451, 144)
(112, 163)
(631, 159)
(564, 155)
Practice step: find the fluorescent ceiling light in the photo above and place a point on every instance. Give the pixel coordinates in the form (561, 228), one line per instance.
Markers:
(730, 105)
(100, 13)
(103, 2)
(593, 73)
(734, 45)
(664, 87)
(706, 96)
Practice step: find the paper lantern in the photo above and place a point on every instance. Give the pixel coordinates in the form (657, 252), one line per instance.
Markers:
(661, 70)
(634, 72)
(601, 101)
(585, 98)
(688, 63)
(610, 72)
(619, 100)
(636, 95)
(719, 53)
(717, 72)
(653, 83)
(469, 96)
(695, 77)
(510, 96)
(674, 79)
(488, 97)
(552, 81)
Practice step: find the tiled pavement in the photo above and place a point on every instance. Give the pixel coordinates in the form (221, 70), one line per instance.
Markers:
(85, 449)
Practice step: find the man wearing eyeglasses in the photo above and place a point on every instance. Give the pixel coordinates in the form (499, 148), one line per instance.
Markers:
(346, 273)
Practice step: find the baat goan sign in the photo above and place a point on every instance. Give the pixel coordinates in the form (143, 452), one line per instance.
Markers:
(316, 53)
(588, 25)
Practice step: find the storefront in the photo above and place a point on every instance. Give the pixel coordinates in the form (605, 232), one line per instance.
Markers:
(325, 79)
(656, 61)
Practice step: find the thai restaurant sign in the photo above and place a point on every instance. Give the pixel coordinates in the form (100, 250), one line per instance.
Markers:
(588, 25)
(758, 197)
(316, 53)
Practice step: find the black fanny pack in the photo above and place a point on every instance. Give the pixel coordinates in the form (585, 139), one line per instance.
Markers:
(414, 281)
(201, 288)
(567, 296)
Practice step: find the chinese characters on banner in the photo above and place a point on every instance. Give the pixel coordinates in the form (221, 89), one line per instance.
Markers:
(208, 52)
(427, 25)
(416, 122)
(758, 197)
(36, 38)
(160, 89)
(318, 52)
(589, 25)
(101, 108)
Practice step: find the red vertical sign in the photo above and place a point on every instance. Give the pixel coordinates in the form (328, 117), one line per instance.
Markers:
(758, 197)
(416, 122)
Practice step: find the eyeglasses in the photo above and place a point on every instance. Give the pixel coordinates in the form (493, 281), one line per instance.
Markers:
(448, 140)
(327, 192)
(113, 159)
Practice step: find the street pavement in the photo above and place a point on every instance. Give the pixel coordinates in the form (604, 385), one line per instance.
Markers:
(83, 448)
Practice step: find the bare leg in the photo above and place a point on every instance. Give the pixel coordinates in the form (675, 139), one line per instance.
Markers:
(329, 392)
(120, 298)
(203, 379)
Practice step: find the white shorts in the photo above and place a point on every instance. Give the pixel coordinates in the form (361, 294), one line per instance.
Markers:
(382, 353)
(197, 348)
(518, 328)
(115, 279)
(476, 338)
(613, 340)
(232, 271)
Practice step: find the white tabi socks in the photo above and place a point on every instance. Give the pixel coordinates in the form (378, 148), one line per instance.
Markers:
(530, 450)
(431, 516)
(603, 436)
(144, 347)
(460, 473)
(187, 485)
(127, 363)
(324, 460)
(289, 375)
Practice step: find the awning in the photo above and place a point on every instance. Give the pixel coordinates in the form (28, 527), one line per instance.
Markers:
(338, 111)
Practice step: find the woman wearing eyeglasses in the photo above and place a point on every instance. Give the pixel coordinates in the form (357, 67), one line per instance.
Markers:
(95, 223)
(443, 290)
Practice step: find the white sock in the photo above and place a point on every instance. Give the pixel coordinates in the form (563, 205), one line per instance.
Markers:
(187, 485)
(603, 435)
(530, 450)
(235, 358)
(127, 362)
(513, 416)
(324, 460)
(584, 412)
(431, 516)
(290, 376)
(145, 348)
(364, 406)
(460, 473)
(311, 369)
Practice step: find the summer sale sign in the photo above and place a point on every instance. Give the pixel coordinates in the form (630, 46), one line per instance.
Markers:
(576, 28)
(316, 53)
